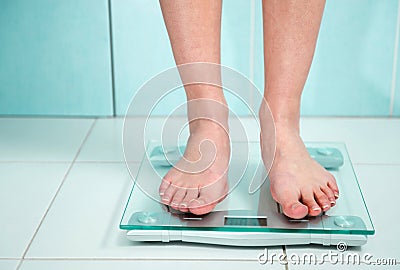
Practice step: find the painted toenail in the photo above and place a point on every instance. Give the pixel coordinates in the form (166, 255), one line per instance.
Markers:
(325, 206)
(336, 195)
(316, 208)
(333, 202)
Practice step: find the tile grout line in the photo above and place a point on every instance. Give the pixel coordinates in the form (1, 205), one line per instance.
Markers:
(136, 259)
(19, 263)
(377, 163)
(395, 56)
(112, 62)
(56, 193)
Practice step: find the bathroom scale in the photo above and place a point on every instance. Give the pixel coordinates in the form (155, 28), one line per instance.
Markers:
(248, 216)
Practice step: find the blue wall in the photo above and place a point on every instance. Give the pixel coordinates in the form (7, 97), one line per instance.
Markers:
(55, 56)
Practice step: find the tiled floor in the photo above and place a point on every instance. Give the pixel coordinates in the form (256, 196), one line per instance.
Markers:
(63, 186)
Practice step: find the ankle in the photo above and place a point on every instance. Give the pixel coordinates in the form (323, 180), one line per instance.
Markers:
(285, 112)
(205, 114)
(285, 129)
(209, 126)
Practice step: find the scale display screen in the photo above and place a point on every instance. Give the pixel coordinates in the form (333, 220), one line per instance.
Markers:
(246, 221)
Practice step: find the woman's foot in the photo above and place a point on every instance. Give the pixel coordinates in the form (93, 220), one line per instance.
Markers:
(198, 182)
(297, 182)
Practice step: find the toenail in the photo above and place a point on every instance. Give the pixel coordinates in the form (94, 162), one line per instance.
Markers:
(325, 206)
(316, 208)
(183, 205)
(165, 199)
(336, 195)
(333, 202)
(161, 193)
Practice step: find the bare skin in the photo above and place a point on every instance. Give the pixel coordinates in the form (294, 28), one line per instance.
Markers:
(291, 28)
(194, 29)
(297, 182)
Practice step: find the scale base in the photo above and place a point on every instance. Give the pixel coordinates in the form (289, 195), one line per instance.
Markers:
(255, 239)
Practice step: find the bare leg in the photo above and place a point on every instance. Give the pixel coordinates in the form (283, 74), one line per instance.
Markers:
(194, 28)
(291, 28)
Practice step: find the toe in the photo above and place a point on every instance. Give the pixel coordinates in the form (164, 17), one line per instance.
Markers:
(322, 200)
(333, 186)
(293, 208)
(178, 197)
(168, 194)
(313, 207)
(191, 194)
(329, 193)
(164, 185)
(205, 203)
(200, 206)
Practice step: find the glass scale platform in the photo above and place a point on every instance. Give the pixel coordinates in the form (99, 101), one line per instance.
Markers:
(248, 216)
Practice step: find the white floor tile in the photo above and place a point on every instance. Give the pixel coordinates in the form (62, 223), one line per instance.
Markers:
(145, 264)
(8, 264)
(26, 190)
(51, 139)
(105, 140)
(368, 140)
(380, 187)
(374, 140)
(83, 222)
(84, 219)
